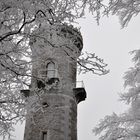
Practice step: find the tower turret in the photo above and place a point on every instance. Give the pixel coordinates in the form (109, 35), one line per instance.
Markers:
(53, 96)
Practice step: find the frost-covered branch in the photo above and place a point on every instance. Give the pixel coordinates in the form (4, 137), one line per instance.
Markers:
(125, 9)
(18, 20)
(89, 62)
(125, 126)
(116, 127)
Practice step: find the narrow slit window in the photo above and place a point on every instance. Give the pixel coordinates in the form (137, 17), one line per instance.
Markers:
(51, 70)
(44, 136)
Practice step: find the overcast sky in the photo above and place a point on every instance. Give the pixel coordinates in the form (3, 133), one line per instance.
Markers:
(111, 43)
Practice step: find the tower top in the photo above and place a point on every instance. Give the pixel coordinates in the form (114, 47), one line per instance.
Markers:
(61, 31)
(69, 31)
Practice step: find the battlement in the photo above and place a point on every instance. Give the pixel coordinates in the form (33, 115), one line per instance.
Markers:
(72, 33)
(58, 34)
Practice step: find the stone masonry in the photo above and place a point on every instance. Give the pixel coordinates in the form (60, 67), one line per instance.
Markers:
(52, 102)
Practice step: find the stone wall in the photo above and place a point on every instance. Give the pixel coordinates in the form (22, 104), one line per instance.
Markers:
(58, 119)
(55, 111)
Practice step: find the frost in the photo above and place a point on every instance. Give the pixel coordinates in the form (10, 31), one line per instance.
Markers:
(124, 126)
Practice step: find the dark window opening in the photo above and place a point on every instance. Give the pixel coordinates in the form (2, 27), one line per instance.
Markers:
(45, 104)
(40, 84)
(44, 136)
(52, 80)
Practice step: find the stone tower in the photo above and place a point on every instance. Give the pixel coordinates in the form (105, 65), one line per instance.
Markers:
(53, 96)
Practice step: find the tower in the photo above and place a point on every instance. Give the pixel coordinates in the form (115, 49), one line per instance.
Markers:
(53, 96)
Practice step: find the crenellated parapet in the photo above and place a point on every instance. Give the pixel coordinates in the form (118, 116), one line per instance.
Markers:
(73, 34)
(58, 36)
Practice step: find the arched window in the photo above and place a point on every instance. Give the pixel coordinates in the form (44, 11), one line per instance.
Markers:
(50, 70)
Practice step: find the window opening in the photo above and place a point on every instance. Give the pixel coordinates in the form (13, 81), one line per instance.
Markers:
(45, 104)
(40, 84)
(51, 70)
(44, 136)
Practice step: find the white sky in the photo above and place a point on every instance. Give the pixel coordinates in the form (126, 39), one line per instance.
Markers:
(111, 43)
